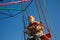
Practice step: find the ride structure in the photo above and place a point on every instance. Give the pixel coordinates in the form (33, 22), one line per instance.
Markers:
(24, 4)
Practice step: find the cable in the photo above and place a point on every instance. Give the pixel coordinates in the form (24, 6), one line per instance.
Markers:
(5, 14)
(44, 1)
(16, 9)
(44, 18)
(38, 10)
(23, 20)
(23, 24)
(43, 13)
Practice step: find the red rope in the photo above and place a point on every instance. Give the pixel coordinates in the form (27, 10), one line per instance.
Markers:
(13, 2)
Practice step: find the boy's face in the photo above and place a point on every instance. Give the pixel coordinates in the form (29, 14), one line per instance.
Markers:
(31, 19)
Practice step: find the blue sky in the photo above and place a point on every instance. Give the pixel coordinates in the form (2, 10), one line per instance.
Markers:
(12, 28)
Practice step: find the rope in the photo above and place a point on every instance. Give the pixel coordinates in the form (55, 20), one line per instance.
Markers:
(5, 14)
(15, 9)
(26, 14)
(43, 13)
(24, 24)
(49, 18)
(26, 10)
(23, 20)
(38, 10)
(44, 17)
